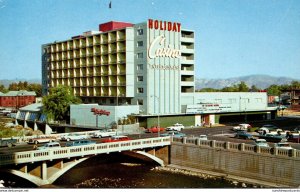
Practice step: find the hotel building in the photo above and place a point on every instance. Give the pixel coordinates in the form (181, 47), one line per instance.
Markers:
(149, 66)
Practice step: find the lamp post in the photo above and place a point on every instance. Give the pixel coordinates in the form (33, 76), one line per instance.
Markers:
(158, 123)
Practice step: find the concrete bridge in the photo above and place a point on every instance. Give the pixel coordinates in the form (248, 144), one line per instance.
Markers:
(43, 167)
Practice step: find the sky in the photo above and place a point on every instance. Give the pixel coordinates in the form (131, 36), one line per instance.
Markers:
(233, 37)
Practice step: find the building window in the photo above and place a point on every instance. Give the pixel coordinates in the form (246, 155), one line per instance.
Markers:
(140, 101)
(111, 101)
(140, 31)
(140, 43)
(140, 78)
(140, 67)
(140, 90)
(140, 55)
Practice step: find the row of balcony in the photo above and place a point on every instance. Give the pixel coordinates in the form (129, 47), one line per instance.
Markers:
(84, 63)
(101, 92)
(74, 55)
(90, 41)
(60, 75)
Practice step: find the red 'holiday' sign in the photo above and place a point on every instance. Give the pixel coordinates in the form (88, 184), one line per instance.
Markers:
(100, 112)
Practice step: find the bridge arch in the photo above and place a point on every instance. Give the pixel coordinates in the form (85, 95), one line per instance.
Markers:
(47, 176)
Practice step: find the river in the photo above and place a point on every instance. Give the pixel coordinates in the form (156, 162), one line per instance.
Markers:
(119, 171)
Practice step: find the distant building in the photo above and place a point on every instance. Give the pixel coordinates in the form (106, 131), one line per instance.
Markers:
(295, 98)
(17, 99)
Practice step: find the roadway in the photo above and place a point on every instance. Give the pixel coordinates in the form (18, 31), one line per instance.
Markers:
(222, 133)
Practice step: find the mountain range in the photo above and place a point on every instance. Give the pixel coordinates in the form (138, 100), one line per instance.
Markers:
(260, 81)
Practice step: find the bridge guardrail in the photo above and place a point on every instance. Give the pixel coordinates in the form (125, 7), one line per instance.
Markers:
(67, 152)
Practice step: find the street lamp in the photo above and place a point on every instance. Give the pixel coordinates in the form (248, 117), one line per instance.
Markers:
(158, 125)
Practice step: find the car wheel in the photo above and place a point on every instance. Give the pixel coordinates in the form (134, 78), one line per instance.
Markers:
(68, 139)
(100, 136)
(36, 142)
(9, 145)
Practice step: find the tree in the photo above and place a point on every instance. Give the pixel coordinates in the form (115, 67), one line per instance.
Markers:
(242, 87)
(57, 103)
(254, 88)
(274, 90)
(208, 90)
(3, 89)
(37, 88)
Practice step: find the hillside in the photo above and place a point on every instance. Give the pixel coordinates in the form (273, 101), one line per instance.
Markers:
(260, 81)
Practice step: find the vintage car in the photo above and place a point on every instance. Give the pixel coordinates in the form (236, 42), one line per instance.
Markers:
(116, 138)
(243, 126)
(273, 138)
(175, 127)
(268, 128)
(173, 134)
(79, 143)
(243, 135)
(104, 133)
(203, 137)
(282, 145)
(51, 145)
(261, 143)
(73, 137)
(154, 129)
(41, 139)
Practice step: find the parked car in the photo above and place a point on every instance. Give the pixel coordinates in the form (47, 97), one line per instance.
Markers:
(154, 129)
(51, 145)
(79, 143)
(73, 137)
(243, 135)
(261, 143)
(104, 133)
(267, 128)
(273, 138)
(116, 138)
(173, 134)
(175, 127)
(293, 137)
(8, 142)
(41, 139)
(203, 137)
(243, 126)
(283, 145)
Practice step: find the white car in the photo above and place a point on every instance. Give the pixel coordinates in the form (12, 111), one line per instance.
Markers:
(243, 127)
(261, 143)
(73, 137)
(104, 133)
(175, 127)
(283, 146)
(203, 137)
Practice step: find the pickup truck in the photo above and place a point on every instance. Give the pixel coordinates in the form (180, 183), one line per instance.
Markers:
(104, 133)
(175, 127)
(8, 142)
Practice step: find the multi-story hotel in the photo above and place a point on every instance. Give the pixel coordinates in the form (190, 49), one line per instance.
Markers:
(142, 64)
(149, 66)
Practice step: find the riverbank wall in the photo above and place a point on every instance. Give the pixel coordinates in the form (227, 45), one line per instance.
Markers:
(241, 162)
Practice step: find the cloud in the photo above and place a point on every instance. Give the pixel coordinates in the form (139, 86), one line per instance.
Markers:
(2, 6)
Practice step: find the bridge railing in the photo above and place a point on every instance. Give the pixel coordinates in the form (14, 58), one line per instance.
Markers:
(238, 147)
(68, 152)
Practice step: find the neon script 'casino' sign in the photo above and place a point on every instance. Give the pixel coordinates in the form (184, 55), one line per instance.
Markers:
(158, 47)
